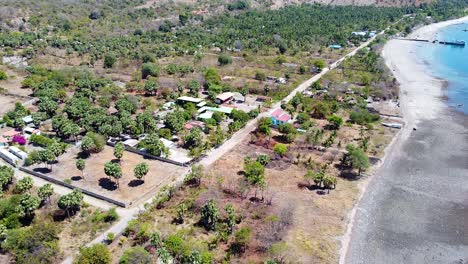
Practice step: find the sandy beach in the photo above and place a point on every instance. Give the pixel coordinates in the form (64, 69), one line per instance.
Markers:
(414, 209)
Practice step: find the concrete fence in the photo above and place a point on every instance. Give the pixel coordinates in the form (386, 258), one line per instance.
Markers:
(62, 183)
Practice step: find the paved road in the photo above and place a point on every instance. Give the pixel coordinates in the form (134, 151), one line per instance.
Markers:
(128, 214)
(240, 135)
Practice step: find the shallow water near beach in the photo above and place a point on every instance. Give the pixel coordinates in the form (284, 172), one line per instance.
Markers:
(450, 63)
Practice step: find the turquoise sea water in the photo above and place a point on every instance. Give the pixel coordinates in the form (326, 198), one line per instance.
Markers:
(450, 63)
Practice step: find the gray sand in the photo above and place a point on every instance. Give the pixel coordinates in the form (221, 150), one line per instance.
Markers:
(415, 209)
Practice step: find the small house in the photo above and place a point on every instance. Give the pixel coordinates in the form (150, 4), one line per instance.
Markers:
(279, 117)
(131, 142)
(3, 142)
(224, 97)
(27, 119)
(10, 134)
(188, 99)
(192, 124)
(238, 97)
(8, 157)
(18, 152)
(28, 131)
(335, 46)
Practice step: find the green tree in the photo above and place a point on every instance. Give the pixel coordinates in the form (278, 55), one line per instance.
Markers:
(356, 158)
(45, 192)
(335, 122)
(209, 215)
(95, 254)
(329, 182)
(71, 202)
(6, 176)
(135, 255)
(195, 175)
(231, 217)
(27, 205)
(241, 239)
(212, 77)
(154, 146)
(24, 185)
(255, 174)
(87, 145)
(194, 87)
(113, 170)
(109, 60)
(264, 126)
(151, 87)
(280, 149)
(81, 165)
(119, 149)
(224, 59)
(320, 65)
(149, 69)
(181, 211)
(3, 75)
(141, 169)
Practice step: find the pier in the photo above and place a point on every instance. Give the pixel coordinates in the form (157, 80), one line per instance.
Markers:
(460, 43)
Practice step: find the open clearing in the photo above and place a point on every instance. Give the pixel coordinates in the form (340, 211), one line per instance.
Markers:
(130, 191)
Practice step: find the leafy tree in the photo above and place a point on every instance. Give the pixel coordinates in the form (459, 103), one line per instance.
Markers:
(175, 121)
(119, 149)
(87, 145)
(255, 174)
(263, 159)
(81, 165)
(194, 87)
(24, 185)
(280, 149)
(212, 77)
(109, 60)
(224, 59)
(27, 205)
(113, 170)
(264, 125)
(154, 146)
(320, 65)
(71, 202)
(356, 158)
(194, 138)
(209, 215)
(141, 169)
(181, 211)
(135, 255)
(217, 136)
(335, 122)
(329, 183)
(149, 69)
(231, 217)
(48, 106)
(3, 75)
(95, 254)
(35, 244)
(195, 175)
(320, 110)
(302, 118)
(164, 255)
(6, 176)
(241, 238)
(151, 87)
(127, 105)
(45, 192)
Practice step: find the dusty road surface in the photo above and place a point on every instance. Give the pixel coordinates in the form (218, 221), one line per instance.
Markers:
(415, 209)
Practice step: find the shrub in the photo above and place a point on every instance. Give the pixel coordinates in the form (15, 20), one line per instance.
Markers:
(96, 254)
(261, 76)
(3, 75)
(149, 69)
(280, 149)
(174, 244)
(363, 117)
(41, 140)
(109, 60)
(224, 59)
(19, 140)
(135, 255)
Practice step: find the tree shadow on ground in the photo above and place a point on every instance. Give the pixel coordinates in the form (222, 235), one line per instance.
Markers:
(107, 184)
(76, 178)
(42, 170)
(347, 173)
(135, 183)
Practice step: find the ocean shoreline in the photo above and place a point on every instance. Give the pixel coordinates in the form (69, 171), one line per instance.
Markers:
(422, 99)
